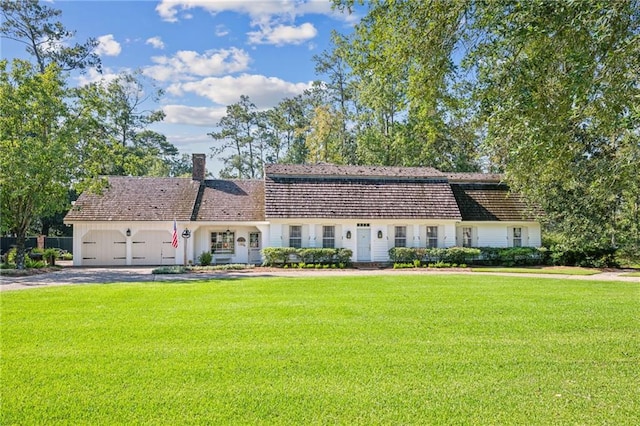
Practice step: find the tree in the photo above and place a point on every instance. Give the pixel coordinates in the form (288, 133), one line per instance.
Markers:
(47, 40)
(36, 149)
(238, 132)
(559, 85)
(547, 91)
(113, 119)
(340, 90)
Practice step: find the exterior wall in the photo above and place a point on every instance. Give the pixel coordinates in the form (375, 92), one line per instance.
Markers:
(500, 234)
(202, 241)
(379, 247)
(276, 234)
(84, 229)
(188, 249)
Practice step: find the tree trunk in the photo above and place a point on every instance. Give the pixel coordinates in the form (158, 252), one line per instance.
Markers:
(20, 252)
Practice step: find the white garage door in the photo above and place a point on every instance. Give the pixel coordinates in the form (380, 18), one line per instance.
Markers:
(152, 248)
(104, 248)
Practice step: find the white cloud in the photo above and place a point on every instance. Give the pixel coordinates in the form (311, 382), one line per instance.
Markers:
(93, 76)
(221, 30)
(283, 34)
(186, 64)
(169, 9)
(156, 42)
(108, 46)
(273, 19)
(197, 116)
(264, 92)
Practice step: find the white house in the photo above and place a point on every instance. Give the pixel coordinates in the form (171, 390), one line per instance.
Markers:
(363, 208)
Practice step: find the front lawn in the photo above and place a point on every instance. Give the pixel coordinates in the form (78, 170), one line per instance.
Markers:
(557, 270)
(451, 349)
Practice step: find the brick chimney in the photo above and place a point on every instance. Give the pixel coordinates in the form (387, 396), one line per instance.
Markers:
(199, 171)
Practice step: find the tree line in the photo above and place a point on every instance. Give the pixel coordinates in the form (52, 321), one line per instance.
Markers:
(546, 92)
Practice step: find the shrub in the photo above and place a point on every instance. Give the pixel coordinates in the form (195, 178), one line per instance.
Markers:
(205, 258)
(589, 257)
(50, 255)
(305, 257)
(174, 269)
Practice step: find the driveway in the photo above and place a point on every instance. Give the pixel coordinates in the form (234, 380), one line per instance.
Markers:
(78, 275)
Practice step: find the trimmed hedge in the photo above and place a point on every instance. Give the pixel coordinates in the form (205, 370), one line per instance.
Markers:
(281, 256)
(511, 256)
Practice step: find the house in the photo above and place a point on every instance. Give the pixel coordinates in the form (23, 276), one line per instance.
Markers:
(363, 208)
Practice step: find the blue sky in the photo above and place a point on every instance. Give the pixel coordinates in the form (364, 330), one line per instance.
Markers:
(205, 53)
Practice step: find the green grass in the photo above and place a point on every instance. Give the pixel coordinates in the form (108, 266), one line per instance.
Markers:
(355, 350)
(557, 270)
(631, 274)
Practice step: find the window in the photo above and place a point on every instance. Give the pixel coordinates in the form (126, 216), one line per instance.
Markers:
(328, 236)
(517, 237)
(432, 236)
(295, 236)
(466, 237)
(401, 236)
(223, 242)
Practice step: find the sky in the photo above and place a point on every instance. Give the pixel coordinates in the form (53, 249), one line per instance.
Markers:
(204, 54)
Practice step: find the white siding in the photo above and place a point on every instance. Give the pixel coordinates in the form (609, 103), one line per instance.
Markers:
(500, 234)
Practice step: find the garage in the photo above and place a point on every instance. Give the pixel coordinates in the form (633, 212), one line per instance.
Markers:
(152, 248)
(104, 248)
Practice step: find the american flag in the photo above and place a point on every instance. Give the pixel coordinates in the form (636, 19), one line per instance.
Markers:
(174, 238)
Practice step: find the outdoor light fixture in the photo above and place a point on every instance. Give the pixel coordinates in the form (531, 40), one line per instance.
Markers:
(128, 232)
(348, 235)
(379, 234)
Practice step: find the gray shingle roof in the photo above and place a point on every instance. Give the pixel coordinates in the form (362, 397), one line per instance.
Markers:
(490, 202)
(311, 170)
(231, 200)
(474, 177)
(307, 191)
(357, 192)
(137, 198)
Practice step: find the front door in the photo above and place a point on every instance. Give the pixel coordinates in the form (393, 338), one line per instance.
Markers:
(255, 257)
(364, 244)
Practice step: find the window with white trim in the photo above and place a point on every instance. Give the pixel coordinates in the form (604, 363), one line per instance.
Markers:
(517, 237)
(467, 233)
(223, 242)
(328, 237)
(295, 236)
(432, 236)
(400, 236)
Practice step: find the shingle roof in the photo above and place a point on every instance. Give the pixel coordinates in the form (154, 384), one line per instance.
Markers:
(474, 177)
(137, 198)
(319, 191)
(311, 170)
(490, 202)
(231, 200)
(307, 191)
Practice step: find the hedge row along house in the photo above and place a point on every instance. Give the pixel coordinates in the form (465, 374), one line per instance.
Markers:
(367, 209)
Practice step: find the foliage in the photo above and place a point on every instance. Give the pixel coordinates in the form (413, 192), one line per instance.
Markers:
(205, 258)
(346, 350)
(280, 256)
(173, 269)
(33, 24)
(112, 126)
(32, 117)
(544, 91)
(451, 255)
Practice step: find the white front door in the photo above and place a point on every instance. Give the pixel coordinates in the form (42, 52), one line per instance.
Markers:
(255, 257)
(364, 244)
